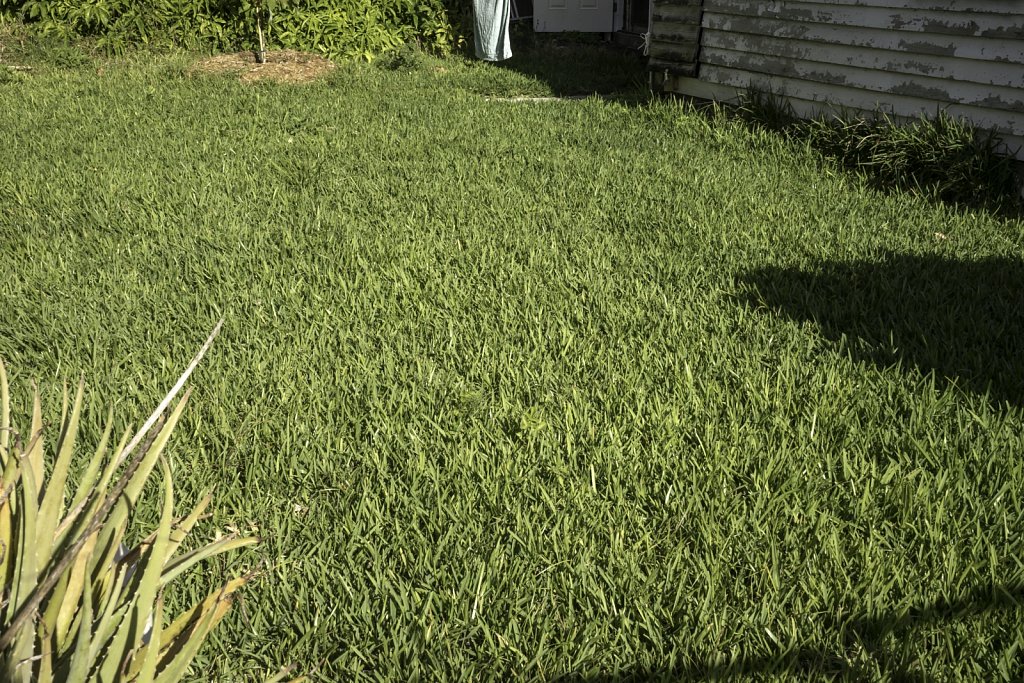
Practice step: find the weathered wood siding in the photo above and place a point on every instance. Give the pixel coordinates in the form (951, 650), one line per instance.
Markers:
(673, 47)
(904, 57)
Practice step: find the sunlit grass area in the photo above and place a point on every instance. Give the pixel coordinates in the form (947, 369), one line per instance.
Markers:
(595, 389)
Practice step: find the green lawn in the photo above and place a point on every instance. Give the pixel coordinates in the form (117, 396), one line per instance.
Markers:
(589, 390)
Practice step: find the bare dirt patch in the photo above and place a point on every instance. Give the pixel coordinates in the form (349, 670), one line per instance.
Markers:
(281, 66)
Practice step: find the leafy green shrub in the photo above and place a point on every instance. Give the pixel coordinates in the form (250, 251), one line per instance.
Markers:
(120, 24)
(79, 604)
(336, 28)
(358, 30)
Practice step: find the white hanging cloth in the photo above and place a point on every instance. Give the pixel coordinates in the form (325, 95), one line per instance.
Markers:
(490, 35)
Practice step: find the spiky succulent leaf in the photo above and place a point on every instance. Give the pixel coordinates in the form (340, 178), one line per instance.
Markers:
(51, 507)
(78, 663)
(80, 606)
(151, 656)
(5, 415)
(186, 561)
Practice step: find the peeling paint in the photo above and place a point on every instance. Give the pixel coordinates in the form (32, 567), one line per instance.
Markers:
(809, 15)
(927, 48)
(913, 89)
(969, 28)
(929, 68)
(997, 102)
(850, 54)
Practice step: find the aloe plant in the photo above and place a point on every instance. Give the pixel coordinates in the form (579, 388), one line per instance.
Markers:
(78, 604)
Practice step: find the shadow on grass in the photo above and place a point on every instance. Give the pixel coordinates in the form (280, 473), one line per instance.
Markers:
(578, 64)
(962, 320)
(873, 647)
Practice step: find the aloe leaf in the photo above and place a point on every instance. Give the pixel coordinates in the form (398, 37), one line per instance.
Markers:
(182, 563)
(111, 615)
(12, 474)
(112, 535)
(51, 507)
(98, 493)
(183, 649)
(25, 567)
(87, 482)
(116, 518)
(44, 656)
(183, 527)
(111, 468)
(80, 660)
(34, 457)
(63, 409)
(52, 605)
(108, 540)
(111, 634)
(5, 415)
(118, 648)
(138, 479)
(75, 591)
(186, 620)
(112, 517)
(88, 503)
(150, 654)
(179, 531)
(159, 410)
(152, 563)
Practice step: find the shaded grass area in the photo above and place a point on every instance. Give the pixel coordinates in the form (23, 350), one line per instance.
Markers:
(549, 65)
(960, 320)
(940, 156)
(576, 64)
(564, 390)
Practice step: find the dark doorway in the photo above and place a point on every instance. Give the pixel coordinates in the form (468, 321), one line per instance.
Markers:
(522, 9)
(638, 13)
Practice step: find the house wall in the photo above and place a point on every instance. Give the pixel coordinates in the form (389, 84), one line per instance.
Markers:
(673, 45)
(904, 57)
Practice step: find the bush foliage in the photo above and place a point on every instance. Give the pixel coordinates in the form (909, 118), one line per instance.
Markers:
(355, 29)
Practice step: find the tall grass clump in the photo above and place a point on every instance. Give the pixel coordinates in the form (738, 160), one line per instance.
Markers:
(941, 157)
(79, 604)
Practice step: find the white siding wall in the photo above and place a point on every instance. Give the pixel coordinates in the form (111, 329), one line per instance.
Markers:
(905, 57)
(673, 47)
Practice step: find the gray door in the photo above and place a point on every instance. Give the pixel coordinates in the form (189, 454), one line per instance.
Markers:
(585, 16)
